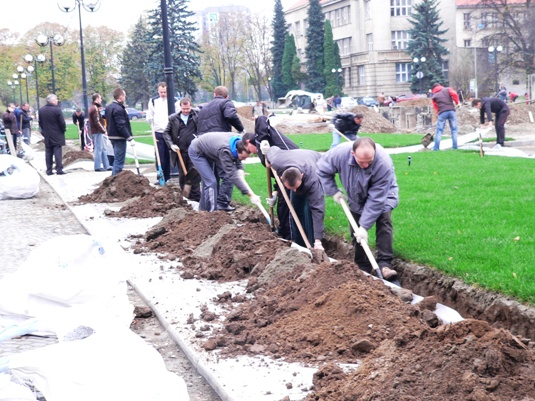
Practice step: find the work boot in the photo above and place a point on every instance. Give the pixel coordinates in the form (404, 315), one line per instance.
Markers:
(388, 273)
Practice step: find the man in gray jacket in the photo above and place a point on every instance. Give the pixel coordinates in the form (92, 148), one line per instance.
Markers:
(297, 169)
(223, 151)
(367, 174)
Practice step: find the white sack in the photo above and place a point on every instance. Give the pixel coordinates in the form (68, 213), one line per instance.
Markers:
(18, 180)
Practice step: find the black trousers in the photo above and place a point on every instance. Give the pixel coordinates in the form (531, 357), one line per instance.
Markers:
(53, 152)
(384, 238)
(499, 124)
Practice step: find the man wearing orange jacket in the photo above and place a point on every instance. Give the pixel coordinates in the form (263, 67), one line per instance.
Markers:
(445, 100)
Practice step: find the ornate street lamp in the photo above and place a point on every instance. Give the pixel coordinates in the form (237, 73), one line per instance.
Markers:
(44, 40)
(66, 6)
(419, 74)
(38, 59)
(337, 72)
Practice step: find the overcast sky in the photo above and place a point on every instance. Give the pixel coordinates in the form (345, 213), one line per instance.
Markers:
(117, 14)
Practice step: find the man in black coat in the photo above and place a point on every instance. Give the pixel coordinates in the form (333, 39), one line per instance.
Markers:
(490, 105)
(180, 131)
(119, 129)
(220, 116)
(53, 127)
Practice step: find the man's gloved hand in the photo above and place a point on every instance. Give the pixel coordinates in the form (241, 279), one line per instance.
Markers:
(338, 197)
(255, 199)
(362, 235)
(175, 148)
(273, 200)
(264, 146)
(132, 142)
(318, 245)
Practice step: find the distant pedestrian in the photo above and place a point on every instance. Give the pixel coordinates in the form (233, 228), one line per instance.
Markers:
(526, 95)
(259, 109)
(445, 100)
(26, 119)
(98, 131)
(490, 105)
(53, 127)
(119, 129)
(78, 119)
(10, 123)
(381, 99)
(337, 102)
(512, 97)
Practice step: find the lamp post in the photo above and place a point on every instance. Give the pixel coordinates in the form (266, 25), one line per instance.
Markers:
(337, 72)
(23, 75)
(44, 40)
(168, 66)
(16, 82)
(419, 74)
(494, 52)
(38, 59)
(90, 7)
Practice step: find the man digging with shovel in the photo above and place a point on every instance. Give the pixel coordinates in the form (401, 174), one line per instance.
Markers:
(367, 174)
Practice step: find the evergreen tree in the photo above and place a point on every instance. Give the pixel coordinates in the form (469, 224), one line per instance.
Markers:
(277, 50)
(426, 42)
(331, 61)
(314, 48)
(298, 76)
(133, 62)
(290, 52)
(184, 48)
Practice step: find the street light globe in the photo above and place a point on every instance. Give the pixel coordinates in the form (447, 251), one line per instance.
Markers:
(20, 69)
(59, 40)
(23, 76)
(423, 59)
(28, 58)
(65, 6)
(333, 70)
(339, 70)
(41, 58)
(491, 49)
(499, 48)
(30, 69)
(15, 76)
(9, 83)
(42, 40)
(415, 59)
(16, 82)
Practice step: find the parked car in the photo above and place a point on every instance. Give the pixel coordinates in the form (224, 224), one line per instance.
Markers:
(410, 96)
(134, 114)
(347, 102)
(367, 101)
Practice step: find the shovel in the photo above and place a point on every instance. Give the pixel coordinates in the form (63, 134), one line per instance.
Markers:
(161, 178)
(342, 135)
(270, 195)
(135, 159)
(364, 244)
(241, 175)
(192, 177)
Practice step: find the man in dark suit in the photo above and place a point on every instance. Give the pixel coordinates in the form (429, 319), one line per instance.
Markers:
(53, 127)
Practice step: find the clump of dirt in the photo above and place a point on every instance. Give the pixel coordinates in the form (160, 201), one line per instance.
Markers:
(315, 313)
(72, 156)
(465, 361)
(119, 188)
(373, 121)
(152, 203)
(236, 253)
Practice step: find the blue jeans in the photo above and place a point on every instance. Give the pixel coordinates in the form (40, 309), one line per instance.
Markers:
(441, 123)
(336, 138)
(119, 149)
(26, 135)
(99, 152)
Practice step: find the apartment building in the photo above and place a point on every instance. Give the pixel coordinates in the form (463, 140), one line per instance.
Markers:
(372, 36)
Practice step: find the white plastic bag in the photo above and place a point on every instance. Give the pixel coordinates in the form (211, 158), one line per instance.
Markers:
(18, 180)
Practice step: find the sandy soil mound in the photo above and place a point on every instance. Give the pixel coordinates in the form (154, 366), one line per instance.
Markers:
(119, 188)
(373, 121)
(245, 113)
(72, 156)
(421, 102)
(520, 113)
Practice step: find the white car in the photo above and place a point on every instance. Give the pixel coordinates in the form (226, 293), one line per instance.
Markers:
(348, 102)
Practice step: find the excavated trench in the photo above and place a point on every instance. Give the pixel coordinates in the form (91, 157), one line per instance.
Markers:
(329, 314)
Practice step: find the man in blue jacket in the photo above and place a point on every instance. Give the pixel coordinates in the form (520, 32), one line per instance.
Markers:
(367, 173)
(119, 130)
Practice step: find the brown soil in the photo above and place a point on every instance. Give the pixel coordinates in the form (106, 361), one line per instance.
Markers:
(72, 156)
(245, 113)
(373, 121)
(119, 188)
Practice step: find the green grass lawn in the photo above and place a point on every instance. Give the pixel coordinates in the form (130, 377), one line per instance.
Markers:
(466, 216)
(139, 128)
(322, 142)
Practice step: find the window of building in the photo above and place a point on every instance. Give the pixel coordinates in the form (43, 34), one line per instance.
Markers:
(400, 39)
(369, 41)
(344, 45)
(445, 69)
(368, 9)
(467, 43)
(305, 25)
(466, 20)
(345, 15)
(490, 20)
(298, 31)
(403, 72)
(337, 16)
(400, 7)
(361, 77)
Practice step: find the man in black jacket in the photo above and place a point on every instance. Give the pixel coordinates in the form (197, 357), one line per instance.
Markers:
(348, 124)
(119, 130)
(53, 127)
(26, 123)
(220, 116)
(490, 105)
(78, 119)
(180, 131)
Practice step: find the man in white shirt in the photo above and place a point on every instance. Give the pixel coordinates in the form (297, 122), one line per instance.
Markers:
(158, 116)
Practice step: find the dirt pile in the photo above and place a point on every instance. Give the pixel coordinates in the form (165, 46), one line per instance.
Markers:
(245, 113)
(466, 361)
(520, 113)
(421, 102)
(373, 121)
(72, 156)
(119, 188)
